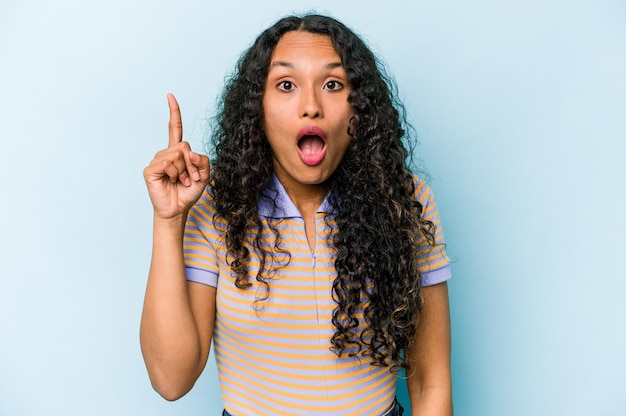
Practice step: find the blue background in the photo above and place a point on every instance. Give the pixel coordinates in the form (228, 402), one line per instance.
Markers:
(520, 107)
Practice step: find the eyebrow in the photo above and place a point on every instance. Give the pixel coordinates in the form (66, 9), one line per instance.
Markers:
(331, 65)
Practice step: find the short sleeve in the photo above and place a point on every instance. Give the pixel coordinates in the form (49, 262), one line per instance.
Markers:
(200, 243)
(433, 262)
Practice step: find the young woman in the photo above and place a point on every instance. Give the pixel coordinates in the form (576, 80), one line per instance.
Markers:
(307, 252)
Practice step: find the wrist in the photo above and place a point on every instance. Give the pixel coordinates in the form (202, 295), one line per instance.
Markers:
(174, 224)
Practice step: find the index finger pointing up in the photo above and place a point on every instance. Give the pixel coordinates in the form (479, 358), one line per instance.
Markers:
(175, 125)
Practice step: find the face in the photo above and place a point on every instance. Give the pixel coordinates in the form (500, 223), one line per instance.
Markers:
(306, 109)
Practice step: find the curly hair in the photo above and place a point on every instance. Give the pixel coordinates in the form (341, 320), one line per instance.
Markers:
(379, 222)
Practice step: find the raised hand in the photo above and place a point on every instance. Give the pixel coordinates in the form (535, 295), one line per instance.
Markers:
(176, 176)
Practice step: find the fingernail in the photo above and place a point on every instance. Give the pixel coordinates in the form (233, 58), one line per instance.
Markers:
(195, 176)
(187, 182)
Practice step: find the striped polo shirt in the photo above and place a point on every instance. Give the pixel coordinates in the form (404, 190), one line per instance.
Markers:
(273, 356)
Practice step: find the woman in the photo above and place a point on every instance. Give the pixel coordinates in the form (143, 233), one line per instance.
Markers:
(308, 253)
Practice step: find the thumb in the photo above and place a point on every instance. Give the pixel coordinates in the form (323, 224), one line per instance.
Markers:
(202, 163)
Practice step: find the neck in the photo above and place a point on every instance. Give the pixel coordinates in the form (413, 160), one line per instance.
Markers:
(307, 198)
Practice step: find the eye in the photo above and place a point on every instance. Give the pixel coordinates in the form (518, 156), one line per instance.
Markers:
(333, 85)
(286, 86)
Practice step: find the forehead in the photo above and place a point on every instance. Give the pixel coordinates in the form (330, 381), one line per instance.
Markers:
(298, 45)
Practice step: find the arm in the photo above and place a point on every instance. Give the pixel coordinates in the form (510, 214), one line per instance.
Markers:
(177, 320)
(429, 380)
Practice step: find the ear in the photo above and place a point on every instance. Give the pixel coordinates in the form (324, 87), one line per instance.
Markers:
(352, 125)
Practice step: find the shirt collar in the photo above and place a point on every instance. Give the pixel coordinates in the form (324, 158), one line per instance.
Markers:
(274, 202)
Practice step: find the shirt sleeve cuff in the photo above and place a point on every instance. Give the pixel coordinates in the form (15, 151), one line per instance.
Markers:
(434, 277)
(201, 276)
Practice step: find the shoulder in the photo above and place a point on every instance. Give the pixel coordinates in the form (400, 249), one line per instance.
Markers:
(422, 192)
(204, 210)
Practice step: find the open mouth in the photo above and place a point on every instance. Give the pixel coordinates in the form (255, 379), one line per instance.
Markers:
(311, 145)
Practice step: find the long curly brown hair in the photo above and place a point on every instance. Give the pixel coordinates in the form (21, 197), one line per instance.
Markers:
(378, 220)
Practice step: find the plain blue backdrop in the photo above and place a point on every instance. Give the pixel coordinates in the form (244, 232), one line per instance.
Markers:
(520, 107)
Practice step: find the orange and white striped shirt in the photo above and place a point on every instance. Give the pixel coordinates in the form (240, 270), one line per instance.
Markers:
(273, 355)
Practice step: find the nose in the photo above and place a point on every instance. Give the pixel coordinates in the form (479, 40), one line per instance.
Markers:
(310, 105)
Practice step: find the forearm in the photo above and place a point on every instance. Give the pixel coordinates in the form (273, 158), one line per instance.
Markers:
(169, 337)
(429, 378)
(432, 402)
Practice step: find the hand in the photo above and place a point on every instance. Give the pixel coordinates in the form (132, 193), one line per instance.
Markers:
(176, 176)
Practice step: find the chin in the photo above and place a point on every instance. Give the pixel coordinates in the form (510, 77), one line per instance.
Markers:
(313, 180)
